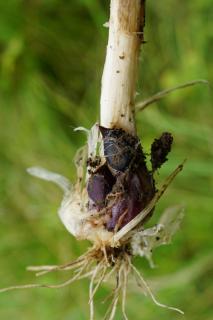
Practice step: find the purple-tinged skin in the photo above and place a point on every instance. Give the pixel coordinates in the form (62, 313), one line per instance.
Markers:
(133, 201)
(124, 185)
(100, 185)
(117, 210)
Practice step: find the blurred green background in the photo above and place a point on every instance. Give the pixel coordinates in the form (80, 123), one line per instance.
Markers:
(51, 60)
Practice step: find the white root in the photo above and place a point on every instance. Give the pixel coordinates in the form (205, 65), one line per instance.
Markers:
(98, 274)
(47, 269)
(149, 291)
(54, 286)
(42, 268)
(91, 295)
(63, 268)
(67, 266)
(110, 273)
(113, 306)
(26, 286)
(99, 282)
(57, 286)
(124, 290)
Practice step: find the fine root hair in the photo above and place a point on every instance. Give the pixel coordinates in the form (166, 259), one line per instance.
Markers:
(101, 266)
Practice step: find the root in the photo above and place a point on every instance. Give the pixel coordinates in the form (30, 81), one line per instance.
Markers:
(100, 280)
(94, 264)
(110, 273)
(47, 269)
(142, 284)
(125, 281)
(50, 286)
(114, 307)
(123, 269)
(91, 301)
(68, 266)
(110, 314)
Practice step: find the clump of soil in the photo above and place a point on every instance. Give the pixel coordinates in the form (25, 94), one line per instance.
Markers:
(160, 149)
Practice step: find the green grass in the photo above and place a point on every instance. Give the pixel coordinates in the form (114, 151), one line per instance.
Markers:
(51, 60)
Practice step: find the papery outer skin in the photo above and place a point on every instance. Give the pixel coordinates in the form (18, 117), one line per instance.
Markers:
(75, 218)
(73, 211)
(144, 241)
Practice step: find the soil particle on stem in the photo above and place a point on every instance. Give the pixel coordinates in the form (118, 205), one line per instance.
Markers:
(160, 149)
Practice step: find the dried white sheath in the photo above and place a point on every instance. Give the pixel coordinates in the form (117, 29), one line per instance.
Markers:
(143, 242)
(74, 212)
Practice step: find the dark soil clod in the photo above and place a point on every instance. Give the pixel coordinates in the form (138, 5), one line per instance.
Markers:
(119, 148)
(160, 149)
